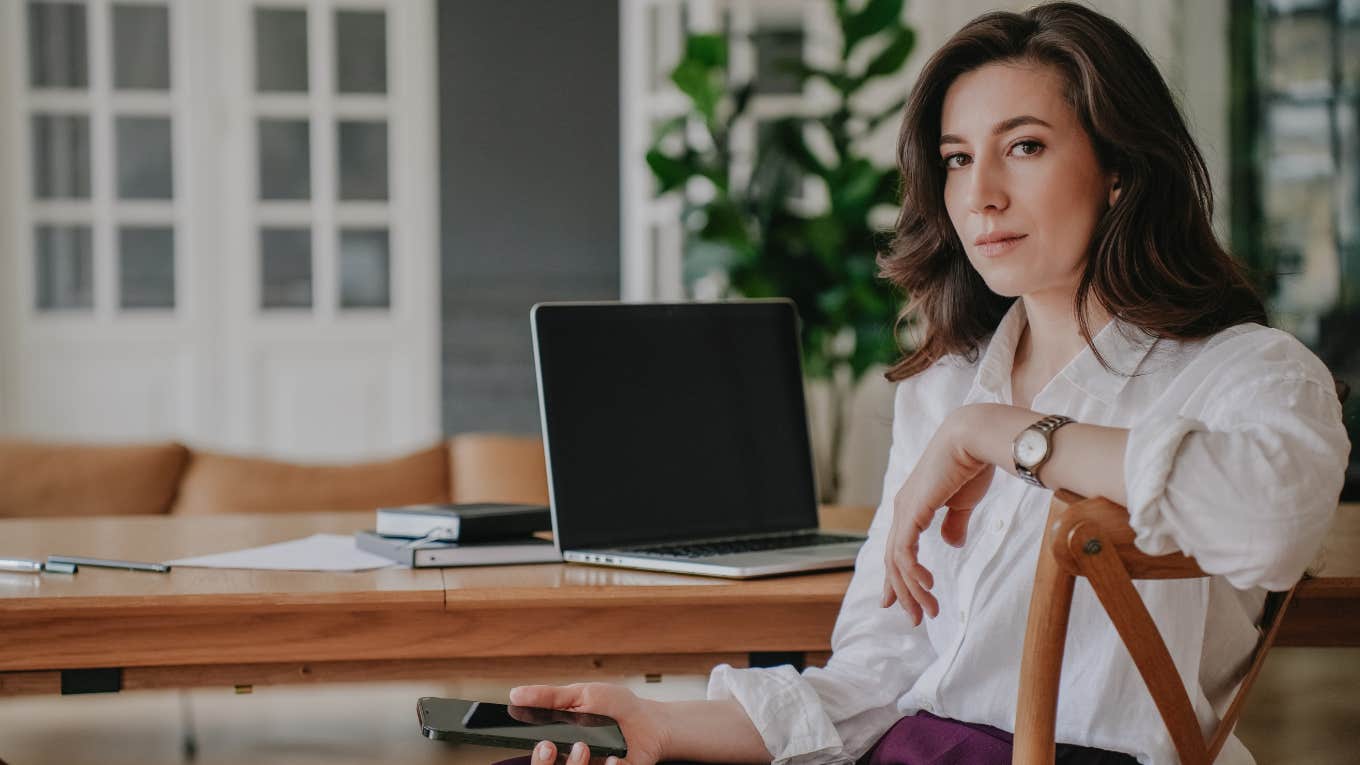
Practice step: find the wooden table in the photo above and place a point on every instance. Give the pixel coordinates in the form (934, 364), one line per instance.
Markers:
(109, 630)
(104, 629)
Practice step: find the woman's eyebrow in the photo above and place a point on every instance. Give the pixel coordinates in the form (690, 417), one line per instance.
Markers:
(1000, 127)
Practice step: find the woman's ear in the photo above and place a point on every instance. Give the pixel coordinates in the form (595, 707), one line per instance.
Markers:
(1114, 189)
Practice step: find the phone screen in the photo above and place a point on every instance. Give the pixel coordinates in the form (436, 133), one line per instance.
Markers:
(484, 722)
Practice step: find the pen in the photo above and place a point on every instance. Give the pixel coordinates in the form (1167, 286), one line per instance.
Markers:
(21, 565)
(130, 565)
(25, 565)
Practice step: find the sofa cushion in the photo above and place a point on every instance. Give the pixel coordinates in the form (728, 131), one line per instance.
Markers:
(223, 483)
(492, 467)
(53, 479)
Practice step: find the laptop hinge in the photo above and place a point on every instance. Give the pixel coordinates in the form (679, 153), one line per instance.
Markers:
(797, 659)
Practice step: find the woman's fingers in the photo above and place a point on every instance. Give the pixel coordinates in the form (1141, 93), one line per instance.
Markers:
(904, 599)
(580, 754)
(545, 752)
(905, 580)
(546, 696)
(907, 571)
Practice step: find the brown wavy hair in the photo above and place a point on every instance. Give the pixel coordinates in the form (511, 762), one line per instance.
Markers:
(1153, 260)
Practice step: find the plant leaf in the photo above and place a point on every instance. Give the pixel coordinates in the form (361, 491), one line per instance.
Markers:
(788, 136)
(671, 172)
(836, 79)
(709, 50)
(858, 179)
(891, 58)
(697, 81)
(874, 18)
(826, 238)
(892, 111)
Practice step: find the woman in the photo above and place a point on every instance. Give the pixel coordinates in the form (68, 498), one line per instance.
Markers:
(1055, 243)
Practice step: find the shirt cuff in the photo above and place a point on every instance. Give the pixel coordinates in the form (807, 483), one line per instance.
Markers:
(783, 708)
(1149, 457)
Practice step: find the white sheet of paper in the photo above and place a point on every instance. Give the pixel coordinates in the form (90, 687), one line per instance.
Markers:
(319, 552)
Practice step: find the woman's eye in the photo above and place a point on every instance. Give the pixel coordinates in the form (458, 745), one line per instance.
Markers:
(1027, 148)
(956, 160)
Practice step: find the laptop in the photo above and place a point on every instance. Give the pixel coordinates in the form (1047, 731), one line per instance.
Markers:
(676, 438)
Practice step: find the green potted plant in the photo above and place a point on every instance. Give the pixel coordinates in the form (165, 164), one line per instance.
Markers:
(754, 234)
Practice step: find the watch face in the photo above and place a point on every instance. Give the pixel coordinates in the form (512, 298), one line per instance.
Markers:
(1030, 448)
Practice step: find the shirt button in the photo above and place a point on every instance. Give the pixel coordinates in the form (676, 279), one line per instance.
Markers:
(926, 706)
(999, 524)
(963, 616)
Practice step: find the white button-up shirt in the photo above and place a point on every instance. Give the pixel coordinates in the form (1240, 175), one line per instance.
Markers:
(1236, 455)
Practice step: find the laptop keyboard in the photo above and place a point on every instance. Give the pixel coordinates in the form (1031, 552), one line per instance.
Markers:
(726, 547)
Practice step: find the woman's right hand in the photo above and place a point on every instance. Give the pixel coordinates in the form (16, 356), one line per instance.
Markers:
(642, 721)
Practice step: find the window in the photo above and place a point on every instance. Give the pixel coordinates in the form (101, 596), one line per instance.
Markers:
(103, 157)
(1296, 176)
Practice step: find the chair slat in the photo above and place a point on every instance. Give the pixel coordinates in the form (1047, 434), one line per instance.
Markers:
(1100, 563)
(1041, 665)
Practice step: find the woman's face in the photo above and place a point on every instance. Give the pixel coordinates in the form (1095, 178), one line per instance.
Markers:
(1022, 183)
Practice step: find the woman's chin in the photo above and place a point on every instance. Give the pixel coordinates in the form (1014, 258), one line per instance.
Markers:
(1006, 285)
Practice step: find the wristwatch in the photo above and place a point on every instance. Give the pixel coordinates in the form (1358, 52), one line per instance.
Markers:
(1034, 446)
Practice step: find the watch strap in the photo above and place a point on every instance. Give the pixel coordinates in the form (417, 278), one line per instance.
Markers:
(1046, 426)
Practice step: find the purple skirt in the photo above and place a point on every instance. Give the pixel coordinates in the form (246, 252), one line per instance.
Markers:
(924, 739)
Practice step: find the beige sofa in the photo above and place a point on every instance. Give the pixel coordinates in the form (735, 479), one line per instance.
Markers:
(53, 479)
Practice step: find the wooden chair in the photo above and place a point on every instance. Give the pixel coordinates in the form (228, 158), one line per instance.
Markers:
(1092, 538)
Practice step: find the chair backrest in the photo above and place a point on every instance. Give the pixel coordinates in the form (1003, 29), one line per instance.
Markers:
(1092, 538)
(225, 483)
(495, 467)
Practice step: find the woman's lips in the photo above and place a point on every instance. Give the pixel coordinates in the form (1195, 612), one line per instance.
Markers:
(1000, 246)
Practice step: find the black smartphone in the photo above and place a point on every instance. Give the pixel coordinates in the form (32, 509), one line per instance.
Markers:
(491, 724)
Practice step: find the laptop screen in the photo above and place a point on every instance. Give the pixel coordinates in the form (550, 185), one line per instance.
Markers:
(673, 422)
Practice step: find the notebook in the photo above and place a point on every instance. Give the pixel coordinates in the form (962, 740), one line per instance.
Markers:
(463, 522)
(677, 440)
(441, 553)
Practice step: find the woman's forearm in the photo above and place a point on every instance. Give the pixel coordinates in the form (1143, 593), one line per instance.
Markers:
(712, 731)
(1086, 459)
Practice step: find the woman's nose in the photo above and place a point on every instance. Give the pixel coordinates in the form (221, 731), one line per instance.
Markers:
(986, 189)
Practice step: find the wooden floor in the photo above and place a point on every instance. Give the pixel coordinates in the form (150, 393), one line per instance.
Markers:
(1305, 711)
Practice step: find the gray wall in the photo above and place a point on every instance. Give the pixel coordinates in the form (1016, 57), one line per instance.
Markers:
(529, 171)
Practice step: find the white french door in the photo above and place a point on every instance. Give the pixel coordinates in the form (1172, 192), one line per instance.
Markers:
(221, 223)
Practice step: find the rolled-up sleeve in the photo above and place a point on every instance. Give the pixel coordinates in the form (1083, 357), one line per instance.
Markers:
(833, 714)
(1247, 481)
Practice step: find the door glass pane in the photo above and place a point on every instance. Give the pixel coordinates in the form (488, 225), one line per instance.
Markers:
(363, 160)
(145, 158)
(57, 47)
(64, 267)
(286, 268)
(146, 267)
(285, 154)
(61, 156)
(141, 47)
(1350, 57)
(1300, 141)
(778, 50)
(280, 50)
(364, 269)
(1300, 53)
(361, 51)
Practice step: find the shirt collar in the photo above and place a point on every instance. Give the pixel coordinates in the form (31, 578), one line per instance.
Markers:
(1123, 346)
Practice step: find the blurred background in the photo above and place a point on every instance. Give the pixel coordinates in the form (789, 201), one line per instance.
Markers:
(313, 229)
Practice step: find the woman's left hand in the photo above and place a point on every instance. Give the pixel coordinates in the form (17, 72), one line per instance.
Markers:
(948, 476)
